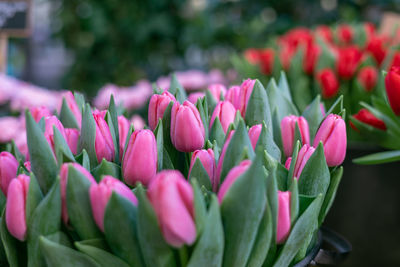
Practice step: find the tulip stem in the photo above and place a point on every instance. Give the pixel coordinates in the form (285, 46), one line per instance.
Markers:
(183, 255)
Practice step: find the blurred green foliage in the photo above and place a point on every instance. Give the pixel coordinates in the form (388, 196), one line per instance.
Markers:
(122, 41)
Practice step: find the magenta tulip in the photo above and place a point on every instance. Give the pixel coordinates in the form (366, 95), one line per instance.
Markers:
(232, 176)
(221, 160)
(172, 199)
(100, 195)
(207, 159)
(226, 112)
(217, 90)
(187, 130)
(40, 112)
(63, 185)
(16, 206)
(283, 223)
(288, 127)
(332, 134)
(27, 165)
(302, 157)
(123, 129)
(140, 161)
(245, 92)
(72, 139)
(254, 134)
(8, 170)
(157, 106)
(73, 106)
(49, 133)
(233, 96)
(103, 144)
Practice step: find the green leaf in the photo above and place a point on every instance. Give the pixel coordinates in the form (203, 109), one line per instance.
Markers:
(60, 238)
(284, 85)
(258, 110)
(266, 141)
(121, 214)
(46, 219)
(79, 206)
(217, 132)
(209, 248)
(336, 107)
(299, 233)
(336, 177)
(199, 173)
(80, 101)
(67, 118)
(150, 238)
(242, 213)
(212, 103)
(83, 159)
(113, 136)
(106, 168)
(158, 133)
(314, 116)
(379, 158)
(88, 135)
(62, 150)
(177, 90)
(58, 255)
(113, 119)
(315, 177)
(15, 151)
(42, 159)
(204, 115)
(200, 210)
(294, 202)
(33, 199)
(102, 257)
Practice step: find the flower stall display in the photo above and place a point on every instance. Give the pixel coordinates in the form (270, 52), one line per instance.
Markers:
(238, 178)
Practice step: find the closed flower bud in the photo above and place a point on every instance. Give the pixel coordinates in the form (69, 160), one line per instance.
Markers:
(222, 157)
(217, 90)
(123, 129)
(207, 159)
(377, 47)
(8, 170)
(328, 82)
(245, 92)
(138, 122)
(187, 130)
(348, 61)
(100, 195)
(140, 160)
(231, 177)
(368, 118)
(226, 112)
(283, 223)
(193, 97)
(288, 128)
(27, 165)
(63, 185)
(392, 83)
(345, 34)
(266, 57)
(172, 199)
(16, 206)
(302, 157)
(254, 134)
(157, 106)
(49, 131)
(332, 134)
(40, 112)
(310, 57)
(103, 144)
(368, 77)
(73, 106)
(233, 96)
(72, 139)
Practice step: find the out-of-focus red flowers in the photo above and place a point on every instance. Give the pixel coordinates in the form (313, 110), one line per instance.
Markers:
(345, 34)
(348, 60)
(368, 77)
(392, 83)
(328, 82)
(368, 118)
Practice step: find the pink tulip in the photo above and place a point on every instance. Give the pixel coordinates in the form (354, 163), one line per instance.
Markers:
(254, 134)
(63, 185)
(288, 126)
(72, 135)
(232, 176)
(221, 160)
(103, 144)
(138, 122)
(233, 96)
(157, 107)
(73, 106)
(207, 159)
(40, 112)
(140, 161)
(217, 90)
(16, 206)
(245, 92)
(193, 97)
(283, 224)
(100, 195)
(172, 199)
(226, 112)
(302, 157)
(49, 133)
(332, 134)
(8, 170)
(27, 165)
(123, 129)
(187, 130)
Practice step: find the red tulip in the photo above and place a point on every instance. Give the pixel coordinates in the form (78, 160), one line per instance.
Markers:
(392, 83)
(328, 82)
(377, 47)
(266, 57)
(311, 55)
(348, 61)
(252, 55)
(324, 32)
(345, 34)
(368, 118)
(368, 77)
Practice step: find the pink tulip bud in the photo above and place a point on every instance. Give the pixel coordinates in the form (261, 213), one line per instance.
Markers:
(283, 224)
(172, 199)
(232, 176)
(221, 160)
(63, 185)
(233, 96)
(138, 122)
(103, 144)
(16, 206)
(187, 130)
(207, 159)
(73, 106)
(100, 195)
(27, 165)
(302, 157)
(157, 106)
(123, 129)
(49, 133)
(332, 134)
(8, 170)
(254, 134)
(140, 161)
(245, 92)
(40, 112)
(288, 126)
(226, 112)
(193, 97)
(217, 90)
(72, 139)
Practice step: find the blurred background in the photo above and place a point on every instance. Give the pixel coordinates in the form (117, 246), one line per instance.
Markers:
(84, 44)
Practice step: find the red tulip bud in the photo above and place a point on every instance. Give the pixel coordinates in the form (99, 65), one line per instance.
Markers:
(328, 82)
(392, 83)
(368, 77)
(368, 118)
(348, 61)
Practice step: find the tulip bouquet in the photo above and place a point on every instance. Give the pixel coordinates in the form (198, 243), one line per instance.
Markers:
(245, 180)
(331, 61)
